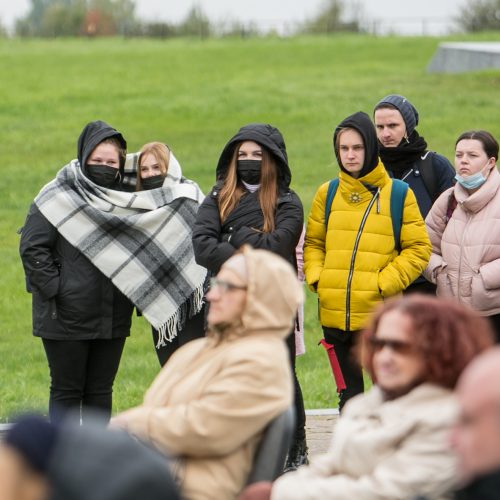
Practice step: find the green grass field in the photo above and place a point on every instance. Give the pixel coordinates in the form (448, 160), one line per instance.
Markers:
(194, 95)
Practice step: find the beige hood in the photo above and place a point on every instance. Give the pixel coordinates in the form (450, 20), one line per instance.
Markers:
(274, 293)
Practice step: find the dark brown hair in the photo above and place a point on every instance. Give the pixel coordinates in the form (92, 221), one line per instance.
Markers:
(490, 144)
(446, 334)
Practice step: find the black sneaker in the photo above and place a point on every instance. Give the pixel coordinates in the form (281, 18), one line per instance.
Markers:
(296, 457)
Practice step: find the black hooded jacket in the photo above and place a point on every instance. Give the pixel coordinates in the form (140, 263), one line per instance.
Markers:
(362, 123)
(71, 298)
(92, 135)
(214, 242)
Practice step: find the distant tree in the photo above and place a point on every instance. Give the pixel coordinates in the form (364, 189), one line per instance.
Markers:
(158, 30)
(78, 17)
(480, 15)
(331, 18)
(114, 16)
(196, 23)
(3, 30)
(62, 18)
(235, 28)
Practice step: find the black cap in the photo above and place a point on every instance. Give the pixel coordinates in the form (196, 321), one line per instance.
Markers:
(34, 438)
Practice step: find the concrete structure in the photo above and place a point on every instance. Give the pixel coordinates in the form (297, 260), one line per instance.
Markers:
(319, 430)
(465, 56)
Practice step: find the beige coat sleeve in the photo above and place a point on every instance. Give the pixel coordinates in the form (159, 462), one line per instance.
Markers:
(410, 471)
(236, 404)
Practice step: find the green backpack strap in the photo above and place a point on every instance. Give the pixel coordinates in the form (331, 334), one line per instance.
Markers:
(398, 196)
(330, 194)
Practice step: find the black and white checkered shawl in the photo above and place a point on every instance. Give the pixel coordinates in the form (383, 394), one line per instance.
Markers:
(140, 240)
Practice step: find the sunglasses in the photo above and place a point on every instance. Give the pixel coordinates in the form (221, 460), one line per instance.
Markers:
(225, 286)
(398, 346)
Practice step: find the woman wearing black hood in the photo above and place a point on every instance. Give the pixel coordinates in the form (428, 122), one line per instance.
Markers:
(253, 204)
(352, 257)
(91, 252)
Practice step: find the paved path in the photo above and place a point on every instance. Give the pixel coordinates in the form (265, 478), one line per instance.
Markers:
(319, 427)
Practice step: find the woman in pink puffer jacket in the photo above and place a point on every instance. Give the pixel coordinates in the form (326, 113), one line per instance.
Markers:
(464, 228)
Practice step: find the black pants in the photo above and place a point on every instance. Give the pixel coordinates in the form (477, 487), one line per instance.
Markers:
(300, 413)
(194, 328)
(421, 286)
(82, 374)
(495, 323)
(345, 344)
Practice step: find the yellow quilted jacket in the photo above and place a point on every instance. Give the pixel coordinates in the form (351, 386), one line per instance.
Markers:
(353, 264)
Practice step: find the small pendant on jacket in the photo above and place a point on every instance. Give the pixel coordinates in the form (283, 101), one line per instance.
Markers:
(354, 197)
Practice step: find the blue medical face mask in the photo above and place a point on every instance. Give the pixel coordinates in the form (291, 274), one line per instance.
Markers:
(472, 181)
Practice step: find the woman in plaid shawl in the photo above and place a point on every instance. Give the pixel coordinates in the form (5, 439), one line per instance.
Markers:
(157, 167)
(91, 251)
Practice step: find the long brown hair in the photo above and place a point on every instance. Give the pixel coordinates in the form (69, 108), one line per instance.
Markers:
(162, 154)
(232, 190)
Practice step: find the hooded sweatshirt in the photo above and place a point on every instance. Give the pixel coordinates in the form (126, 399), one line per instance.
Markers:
(363, 125)
(92, 135)
(212, 400)
(215, 241)
(352, 262)
(265, 135)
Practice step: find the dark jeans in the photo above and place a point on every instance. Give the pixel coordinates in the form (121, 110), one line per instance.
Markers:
(194, 328)
(345, 344)
(300, 414)
(82, 373)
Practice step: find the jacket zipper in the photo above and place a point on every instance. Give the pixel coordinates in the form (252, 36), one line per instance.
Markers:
(460, 255)
(353, 258)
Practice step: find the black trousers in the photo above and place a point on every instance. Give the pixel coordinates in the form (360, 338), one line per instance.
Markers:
(82, 374)
(495, 323)
(345, 344)
(300, 413)
(425, 287)
(194, 328)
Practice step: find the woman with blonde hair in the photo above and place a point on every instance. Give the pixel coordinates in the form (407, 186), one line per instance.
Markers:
(252, 203)
(157, 167)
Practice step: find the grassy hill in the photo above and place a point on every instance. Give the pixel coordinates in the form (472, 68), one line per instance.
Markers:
(194, 95)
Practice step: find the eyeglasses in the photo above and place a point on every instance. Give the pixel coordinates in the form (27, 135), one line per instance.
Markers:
(225, 286)
(398, 346)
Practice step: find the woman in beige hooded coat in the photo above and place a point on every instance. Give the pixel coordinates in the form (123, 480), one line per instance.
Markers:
(210, 403)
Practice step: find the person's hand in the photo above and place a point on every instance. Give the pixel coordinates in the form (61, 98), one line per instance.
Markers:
(122, 420)
(257, 491)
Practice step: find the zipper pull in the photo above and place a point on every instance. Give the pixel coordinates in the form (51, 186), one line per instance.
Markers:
(378, 200)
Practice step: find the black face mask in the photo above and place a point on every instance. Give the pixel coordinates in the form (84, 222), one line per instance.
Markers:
(153, 182)
(249, 171)
(103, 175)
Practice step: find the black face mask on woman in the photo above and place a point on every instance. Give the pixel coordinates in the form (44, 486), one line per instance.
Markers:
(153, 182)
(102, 175)
(249, 171)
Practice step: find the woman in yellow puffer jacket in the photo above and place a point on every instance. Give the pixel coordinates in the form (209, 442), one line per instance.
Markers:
(352, 261)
